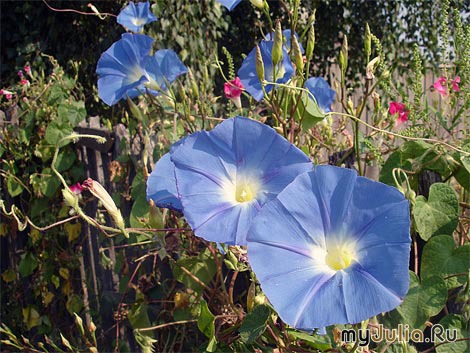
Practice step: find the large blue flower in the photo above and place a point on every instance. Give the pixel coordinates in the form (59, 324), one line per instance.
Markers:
(341, 246)
(322, 92)
(226, 175)
(126, 69)
(134, 17)
(247, 72)
(229, 4)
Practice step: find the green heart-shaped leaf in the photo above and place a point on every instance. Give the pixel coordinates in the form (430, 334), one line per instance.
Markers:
(441, 257)
(439, 214)
(423, 300)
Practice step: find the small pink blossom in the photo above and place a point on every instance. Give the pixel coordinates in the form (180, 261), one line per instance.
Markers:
(8, 96)
(24, 82)
(455, 84)
(76, 188)
(233, 88)
(441, 86)
(233, 91)
(20, 73)
(27, 69)
(400, 109)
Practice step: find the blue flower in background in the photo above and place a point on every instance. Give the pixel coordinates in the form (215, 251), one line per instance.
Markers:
(229, 4)
(341, 246)
(126, 69)
(226, 175)
(134, 17)
(287, 35)
(120, 68)
(322, 92)
(163, 68)
(249, 77)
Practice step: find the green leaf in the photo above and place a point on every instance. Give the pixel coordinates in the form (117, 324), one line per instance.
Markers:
(393, 161)
(65, 159)
(254, 323)
(49, 183)
(321, 342)
(423, 301)
(201, 266)
(439, 214)
(138, 317)
(27, 264)
(458, 330)
(74, 304)
(13, 186)
(56, 131)
(308, 112)
(72, 113)
(205, 321)
(443, 258)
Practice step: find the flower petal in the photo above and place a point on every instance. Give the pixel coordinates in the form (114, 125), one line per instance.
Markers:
(322, 92)
(229, 4)
(161, 185)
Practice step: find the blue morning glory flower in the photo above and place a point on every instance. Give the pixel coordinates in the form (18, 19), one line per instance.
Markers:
(161, 184)
(249, 77)
(226, 175)
(341, 246)
(229, 4)
(322, 92)
(120, 68)
(126, 69)
(134, 17)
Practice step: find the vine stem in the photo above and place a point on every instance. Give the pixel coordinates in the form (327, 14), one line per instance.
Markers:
(102, 16)
(425, 139)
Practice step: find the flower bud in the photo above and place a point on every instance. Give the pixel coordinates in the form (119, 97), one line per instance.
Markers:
(259, 65)
(310, 43)
(100, 192)
(298, 59)
(376, 98)
(70, 198)
(194, 88)
(371, 67)
(343, 55)
(277, 46)
(367, 42)
(135, 111)
(258, 3)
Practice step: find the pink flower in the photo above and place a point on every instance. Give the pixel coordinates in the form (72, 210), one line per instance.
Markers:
(455, 84)
(27, 69)
(8, 95)
(76, 188)
(400, 109)
(20, 74)
(24, 82)
(441, 86)
(233, 91)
